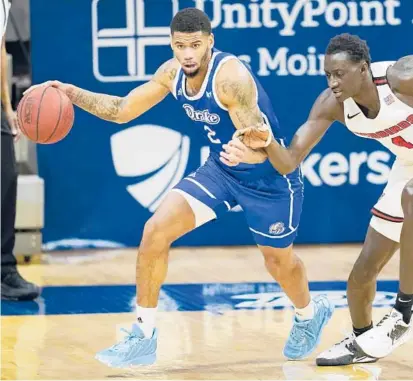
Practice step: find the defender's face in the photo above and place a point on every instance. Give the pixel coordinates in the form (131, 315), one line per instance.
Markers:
(192, 50)
(345, 77)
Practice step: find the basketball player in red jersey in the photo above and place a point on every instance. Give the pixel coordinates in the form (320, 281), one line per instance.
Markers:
(374, 101)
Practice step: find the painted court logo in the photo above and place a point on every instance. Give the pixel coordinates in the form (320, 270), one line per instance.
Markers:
(216, 298)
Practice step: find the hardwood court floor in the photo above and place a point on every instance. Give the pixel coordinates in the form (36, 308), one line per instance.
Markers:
(221, 317)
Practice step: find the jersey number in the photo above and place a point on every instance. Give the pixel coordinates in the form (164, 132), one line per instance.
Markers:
(399, 141)
(211, 134)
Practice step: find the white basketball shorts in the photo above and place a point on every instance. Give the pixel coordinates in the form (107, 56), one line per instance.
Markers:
(387, 213)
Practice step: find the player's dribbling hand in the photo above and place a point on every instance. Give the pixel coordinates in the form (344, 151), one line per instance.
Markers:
(59, 85)
(236, 152)
(254, 137)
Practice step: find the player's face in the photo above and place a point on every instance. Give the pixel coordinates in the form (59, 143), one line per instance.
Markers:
(345, 77)
(192, 50)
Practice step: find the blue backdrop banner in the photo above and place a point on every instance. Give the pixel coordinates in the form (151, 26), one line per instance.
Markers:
(105, 180)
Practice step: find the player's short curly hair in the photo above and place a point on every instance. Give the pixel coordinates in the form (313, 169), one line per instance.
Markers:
(353, 45)
(190, 20)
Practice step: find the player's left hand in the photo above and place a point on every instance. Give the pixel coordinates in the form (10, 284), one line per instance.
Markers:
(254, 137)
(236, 152)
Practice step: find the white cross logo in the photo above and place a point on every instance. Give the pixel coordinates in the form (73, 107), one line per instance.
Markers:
(135, 37)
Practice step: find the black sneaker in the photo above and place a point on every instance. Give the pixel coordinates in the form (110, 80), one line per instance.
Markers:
(14, 287)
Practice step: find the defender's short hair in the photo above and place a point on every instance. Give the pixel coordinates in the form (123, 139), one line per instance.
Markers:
(190, 20)
(353, 45)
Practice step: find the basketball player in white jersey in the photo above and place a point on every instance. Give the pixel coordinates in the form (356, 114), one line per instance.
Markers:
(374, 101)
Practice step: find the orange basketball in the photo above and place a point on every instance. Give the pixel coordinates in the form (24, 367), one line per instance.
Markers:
(45, 114)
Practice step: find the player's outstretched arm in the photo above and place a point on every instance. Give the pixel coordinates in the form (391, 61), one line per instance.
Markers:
(323, 113)
(236, 90)
(400, 77)
(122, 109)
(285, 160)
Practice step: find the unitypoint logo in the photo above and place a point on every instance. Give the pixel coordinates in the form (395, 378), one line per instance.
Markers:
(121, 26)
(155, 155)
(127, 33)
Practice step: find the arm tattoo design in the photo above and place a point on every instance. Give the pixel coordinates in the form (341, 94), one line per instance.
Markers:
(103, 106)
(242, 93)
(171, 73)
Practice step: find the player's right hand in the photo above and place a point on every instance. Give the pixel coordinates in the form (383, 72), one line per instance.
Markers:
(236, 152)
(59, 85)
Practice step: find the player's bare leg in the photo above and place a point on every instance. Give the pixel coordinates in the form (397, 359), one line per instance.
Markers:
(361, 287)
(311, 315)
(173, 218)
(406, 253)
(396, 327)
(289, 271)
(361, 290)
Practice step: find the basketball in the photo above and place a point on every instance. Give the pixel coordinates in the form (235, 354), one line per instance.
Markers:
(45, 115)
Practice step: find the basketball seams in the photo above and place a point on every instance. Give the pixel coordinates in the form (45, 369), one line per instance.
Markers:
(20, 117)
(38, 114)
(58, 120)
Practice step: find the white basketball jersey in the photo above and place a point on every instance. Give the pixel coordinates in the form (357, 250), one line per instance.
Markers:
(4, 14)
(393, 126)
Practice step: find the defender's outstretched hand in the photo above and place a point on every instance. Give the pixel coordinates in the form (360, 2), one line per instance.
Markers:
(236, 152)
(254, 137)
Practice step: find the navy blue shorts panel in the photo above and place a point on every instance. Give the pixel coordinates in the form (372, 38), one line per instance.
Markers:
(272, 205)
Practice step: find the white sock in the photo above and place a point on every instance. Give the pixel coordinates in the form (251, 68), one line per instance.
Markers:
(305, 313)
(146, 320)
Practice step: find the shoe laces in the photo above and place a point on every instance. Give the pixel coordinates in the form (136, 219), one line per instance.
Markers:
(129, 337)
(297, 334)
(349, 337)
(348, 340)
(384, 320)
(300, 331)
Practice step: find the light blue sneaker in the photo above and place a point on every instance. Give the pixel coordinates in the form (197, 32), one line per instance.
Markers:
(133, 350)
(305, 335)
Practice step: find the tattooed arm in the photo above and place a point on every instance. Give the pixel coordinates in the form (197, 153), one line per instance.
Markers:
(123, 109)
(236, 90)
